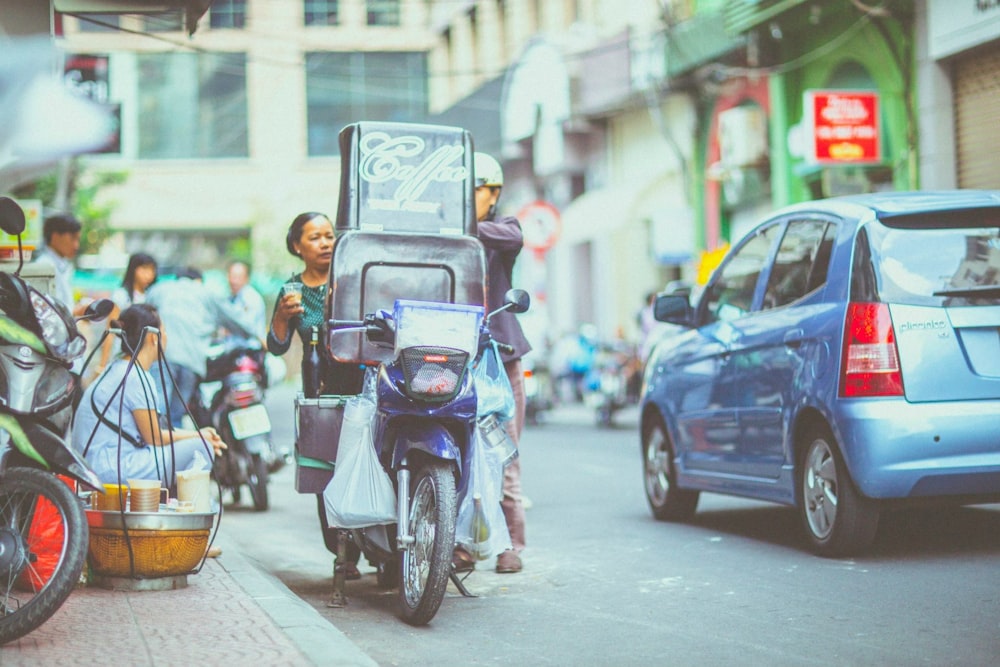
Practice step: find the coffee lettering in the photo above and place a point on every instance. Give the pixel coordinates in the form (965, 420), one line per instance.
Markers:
(384, 159)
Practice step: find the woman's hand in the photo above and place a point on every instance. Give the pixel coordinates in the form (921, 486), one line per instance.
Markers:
(212, 437)
(289, 306)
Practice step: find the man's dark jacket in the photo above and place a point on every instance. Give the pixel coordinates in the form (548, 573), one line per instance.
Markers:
(503, 241)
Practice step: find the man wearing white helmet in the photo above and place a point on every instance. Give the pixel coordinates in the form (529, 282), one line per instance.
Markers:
(503, 241)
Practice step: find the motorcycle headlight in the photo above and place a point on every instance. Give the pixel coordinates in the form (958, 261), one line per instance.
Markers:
(58, 330)
(55, 386)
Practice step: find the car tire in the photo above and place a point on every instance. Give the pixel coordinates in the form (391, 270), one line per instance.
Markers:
(837, 519)
(667, 501)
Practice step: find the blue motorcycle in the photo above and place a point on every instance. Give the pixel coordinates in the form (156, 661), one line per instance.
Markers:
(425, 416)
(406, 300)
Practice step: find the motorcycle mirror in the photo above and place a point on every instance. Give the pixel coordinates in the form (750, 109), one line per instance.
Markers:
(517, 300)
(11, 216)
(98, 310)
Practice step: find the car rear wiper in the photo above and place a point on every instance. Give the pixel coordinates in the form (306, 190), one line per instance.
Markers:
(979, 290)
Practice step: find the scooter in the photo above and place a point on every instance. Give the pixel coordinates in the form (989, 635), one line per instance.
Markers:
(611, 381)
(43, 526)
(232, 400)
(425, 417)
(538, 390)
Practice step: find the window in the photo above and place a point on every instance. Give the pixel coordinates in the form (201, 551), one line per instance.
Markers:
(163, 22)
(321, 12)
(97, 22)
(731, 294)
(228, 14)
(383, 12)
(801, 263)
(192, 105)
(347, 87)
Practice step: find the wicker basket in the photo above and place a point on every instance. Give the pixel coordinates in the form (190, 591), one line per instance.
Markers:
(159, 548)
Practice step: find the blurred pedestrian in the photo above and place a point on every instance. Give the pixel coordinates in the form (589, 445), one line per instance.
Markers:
(140, 274)
(62, 243)
(192, 313)
(310, 237)
(248, 300)
(503, 240)
(117, 425)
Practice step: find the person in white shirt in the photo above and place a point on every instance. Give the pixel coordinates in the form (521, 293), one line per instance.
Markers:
(62, 243)
(246, 298)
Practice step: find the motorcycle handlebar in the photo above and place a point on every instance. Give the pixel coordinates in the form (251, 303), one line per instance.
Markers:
(505, 348)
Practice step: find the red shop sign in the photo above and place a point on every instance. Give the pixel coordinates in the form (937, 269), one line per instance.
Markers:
(844, 126)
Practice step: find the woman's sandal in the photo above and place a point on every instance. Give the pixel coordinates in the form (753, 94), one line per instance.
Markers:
(350, 570)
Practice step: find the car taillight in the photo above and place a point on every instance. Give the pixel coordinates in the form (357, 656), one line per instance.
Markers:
(869, 365)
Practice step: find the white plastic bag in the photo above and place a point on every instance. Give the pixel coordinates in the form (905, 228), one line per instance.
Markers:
(360, 493)
(485, 481)
(493, 391)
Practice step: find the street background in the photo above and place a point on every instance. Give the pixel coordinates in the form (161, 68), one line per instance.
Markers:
(604, 583)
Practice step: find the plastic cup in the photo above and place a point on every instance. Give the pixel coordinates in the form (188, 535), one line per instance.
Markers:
(295, 289)
(193, 485)
(114, 498)
(144, 495)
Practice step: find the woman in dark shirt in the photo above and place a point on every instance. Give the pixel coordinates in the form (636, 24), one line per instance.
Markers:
(310, 237)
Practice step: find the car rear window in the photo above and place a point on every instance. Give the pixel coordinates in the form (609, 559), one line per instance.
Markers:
(951, 261)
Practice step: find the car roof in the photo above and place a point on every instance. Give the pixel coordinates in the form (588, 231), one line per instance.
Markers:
(889, 204)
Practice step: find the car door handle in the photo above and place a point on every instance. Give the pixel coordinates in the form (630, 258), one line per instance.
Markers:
(794, 337)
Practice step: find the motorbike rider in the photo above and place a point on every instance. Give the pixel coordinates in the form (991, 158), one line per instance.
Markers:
(503, 240)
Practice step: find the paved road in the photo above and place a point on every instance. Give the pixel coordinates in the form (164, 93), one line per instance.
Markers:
(606, 584)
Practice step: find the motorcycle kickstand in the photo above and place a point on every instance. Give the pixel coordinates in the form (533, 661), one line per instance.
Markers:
(339, 599)
(460, 583)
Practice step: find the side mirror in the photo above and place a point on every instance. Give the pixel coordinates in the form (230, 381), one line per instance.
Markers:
(98, 310)
(11, 216)
(674, 309)
(517, 300)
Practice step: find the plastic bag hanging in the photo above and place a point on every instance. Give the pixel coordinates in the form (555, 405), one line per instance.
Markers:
(360, 492)
(481, 528)
(493, 390)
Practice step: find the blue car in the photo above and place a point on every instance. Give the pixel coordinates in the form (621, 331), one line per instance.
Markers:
(843, 358)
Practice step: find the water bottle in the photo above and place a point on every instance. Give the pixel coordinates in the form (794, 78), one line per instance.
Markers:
(480, 528)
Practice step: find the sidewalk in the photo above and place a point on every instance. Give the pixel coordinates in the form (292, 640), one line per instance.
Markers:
(230, 613)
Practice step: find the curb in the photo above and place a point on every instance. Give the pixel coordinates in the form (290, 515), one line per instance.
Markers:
(318, 639)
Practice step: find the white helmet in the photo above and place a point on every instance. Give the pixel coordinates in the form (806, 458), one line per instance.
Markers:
(487, 171)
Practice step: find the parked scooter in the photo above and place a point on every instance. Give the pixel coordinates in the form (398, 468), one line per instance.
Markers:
(232, 400)
(538, 389)
(43, 527)
(425, 417)
(611, 381)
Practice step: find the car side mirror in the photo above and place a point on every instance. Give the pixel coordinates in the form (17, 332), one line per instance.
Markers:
(674, 309)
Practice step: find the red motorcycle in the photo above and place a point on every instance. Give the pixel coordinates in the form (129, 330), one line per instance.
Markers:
(232, 398)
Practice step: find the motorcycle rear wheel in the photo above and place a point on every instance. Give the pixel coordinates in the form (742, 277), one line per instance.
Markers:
(28, 597)
(425, 564)
(257, 477)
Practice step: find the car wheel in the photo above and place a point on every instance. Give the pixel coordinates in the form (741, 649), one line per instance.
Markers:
(666, 500)
(838, 520)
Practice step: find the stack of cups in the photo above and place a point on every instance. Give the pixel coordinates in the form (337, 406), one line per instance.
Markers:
(144, 495)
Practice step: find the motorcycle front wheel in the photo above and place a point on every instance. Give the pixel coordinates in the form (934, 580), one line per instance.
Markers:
(425, 563)
(43, 548)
